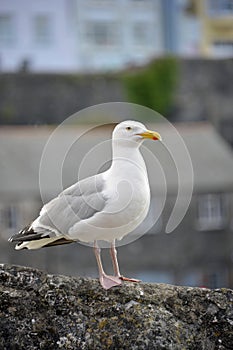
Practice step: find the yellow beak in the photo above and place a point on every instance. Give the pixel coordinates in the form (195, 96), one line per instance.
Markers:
(153, 135)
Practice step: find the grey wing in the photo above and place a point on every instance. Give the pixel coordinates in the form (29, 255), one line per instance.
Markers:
(78, 202)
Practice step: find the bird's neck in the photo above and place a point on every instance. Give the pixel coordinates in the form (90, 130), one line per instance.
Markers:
(127, 159)
(121, 148)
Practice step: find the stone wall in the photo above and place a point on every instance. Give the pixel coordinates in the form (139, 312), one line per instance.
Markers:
(204, 91)
(50, 98)
(40, 311)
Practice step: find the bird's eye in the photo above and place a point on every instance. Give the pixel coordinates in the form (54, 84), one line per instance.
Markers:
(128, 128)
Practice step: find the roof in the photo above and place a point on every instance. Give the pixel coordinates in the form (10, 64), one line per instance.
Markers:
(211, 156)
(74, 153)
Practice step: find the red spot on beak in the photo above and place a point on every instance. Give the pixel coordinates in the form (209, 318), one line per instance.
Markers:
(155, 138)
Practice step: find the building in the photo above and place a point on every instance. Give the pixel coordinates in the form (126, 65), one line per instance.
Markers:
(38, 35)
(92, 35)
(198, 253)
(102, 35)
(114, 34)
(216, 20)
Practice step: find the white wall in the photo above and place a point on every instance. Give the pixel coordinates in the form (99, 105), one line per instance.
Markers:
(58, 55)
(122, 49)
(135, 30)
(189, 32)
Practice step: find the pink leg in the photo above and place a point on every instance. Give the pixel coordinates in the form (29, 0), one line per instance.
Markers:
(113, 253)
(106, 281)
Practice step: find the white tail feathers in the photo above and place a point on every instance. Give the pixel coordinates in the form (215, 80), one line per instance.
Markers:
(35, 244)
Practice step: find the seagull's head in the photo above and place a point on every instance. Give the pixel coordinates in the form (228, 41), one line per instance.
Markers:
(133, 131)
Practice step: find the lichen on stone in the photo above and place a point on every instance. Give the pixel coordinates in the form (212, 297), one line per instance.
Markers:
(40, 311)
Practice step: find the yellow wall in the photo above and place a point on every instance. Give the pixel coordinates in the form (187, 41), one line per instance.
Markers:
(213, 27)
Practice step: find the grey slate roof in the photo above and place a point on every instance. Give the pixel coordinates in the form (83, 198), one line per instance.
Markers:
(21, 149)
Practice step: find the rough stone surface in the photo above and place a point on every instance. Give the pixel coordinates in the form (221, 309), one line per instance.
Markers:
(40, 311)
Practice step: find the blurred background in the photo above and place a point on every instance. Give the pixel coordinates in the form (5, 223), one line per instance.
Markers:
(173, 56)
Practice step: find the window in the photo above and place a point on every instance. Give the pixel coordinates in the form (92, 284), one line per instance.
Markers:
(215, 277)
(102, 33)
(7, 31)
(42, 30)
(12, 217)
(226, 128)
(211, 212)
(141, 34)
(220, 7)
(223, 48)
(156, 276)
(206, 277)
(140, 1)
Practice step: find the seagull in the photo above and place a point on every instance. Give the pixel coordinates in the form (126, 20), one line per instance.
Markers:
(104, 207)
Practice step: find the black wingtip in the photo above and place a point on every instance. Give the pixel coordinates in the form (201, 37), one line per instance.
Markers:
(27, 230)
